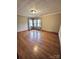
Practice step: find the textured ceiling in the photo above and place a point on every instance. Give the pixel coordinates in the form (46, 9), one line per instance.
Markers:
(41, 6)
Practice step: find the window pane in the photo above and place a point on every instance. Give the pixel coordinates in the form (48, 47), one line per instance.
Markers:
(39, 23)
(30, 23)
(35, 21)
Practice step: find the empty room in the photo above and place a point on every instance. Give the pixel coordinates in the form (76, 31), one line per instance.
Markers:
(38, 29)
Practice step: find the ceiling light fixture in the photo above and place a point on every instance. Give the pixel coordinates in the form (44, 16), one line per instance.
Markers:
(33, 11)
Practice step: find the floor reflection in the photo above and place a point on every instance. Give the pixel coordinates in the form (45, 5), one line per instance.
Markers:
(35, 35)
(35, 49)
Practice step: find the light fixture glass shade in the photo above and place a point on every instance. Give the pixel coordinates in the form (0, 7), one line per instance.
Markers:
(33, 11)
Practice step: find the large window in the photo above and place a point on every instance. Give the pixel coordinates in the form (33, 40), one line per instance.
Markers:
(34, 23)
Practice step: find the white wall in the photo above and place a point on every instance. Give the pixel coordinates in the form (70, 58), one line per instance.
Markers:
(22, 23)
(51, 22)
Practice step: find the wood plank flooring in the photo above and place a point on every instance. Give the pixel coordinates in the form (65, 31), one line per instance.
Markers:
(36, 44)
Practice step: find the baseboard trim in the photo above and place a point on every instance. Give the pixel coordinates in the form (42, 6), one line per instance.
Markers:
(50, 32)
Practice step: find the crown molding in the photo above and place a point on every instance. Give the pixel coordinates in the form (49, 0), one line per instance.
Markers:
(52, 13)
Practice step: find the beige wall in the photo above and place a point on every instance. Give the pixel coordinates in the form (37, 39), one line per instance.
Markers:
(51, 22)
(21, 19)
(22, 23)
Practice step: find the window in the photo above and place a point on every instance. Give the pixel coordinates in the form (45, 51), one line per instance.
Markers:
(34, 23)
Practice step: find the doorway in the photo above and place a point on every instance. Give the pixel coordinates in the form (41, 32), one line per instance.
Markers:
(34, 24)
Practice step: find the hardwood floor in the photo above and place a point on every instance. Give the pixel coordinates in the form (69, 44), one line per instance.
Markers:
(38, 45)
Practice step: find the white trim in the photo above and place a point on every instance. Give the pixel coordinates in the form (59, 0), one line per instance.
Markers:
(52, 13)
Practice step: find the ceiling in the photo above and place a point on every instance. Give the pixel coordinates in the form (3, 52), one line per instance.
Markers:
(41, 6)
